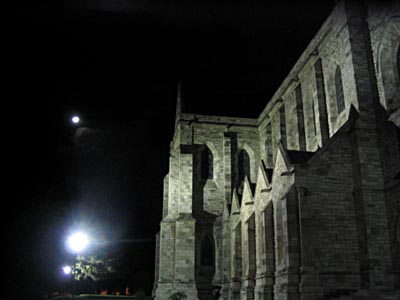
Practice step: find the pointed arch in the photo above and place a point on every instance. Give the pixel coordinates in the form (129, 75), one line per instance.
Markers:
(207, 164)
(388, 64)
(339, 90)
(243, 165)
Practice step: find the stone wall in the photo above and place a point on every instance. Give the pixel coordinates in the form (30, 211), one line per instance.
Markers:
(384, 25)
(328, 215)
(319, 213)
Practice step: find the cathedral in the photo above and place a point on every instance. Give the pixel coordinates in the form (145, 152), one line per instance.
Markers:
(302, 202)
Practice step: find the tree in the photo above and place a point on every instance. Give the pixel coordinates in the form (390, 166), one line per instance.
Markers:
(94, 268)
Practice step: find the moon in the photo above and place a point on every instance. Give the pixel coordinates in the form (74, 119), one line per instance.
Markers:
(75, 119)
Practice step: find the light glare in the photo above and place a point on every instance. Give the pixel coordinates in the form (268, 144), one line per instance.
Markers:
(77, 242)
(67, 270)
(75, 119)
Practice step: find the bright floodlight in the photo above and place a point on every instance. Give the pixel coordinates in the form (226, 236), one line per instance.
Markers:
(67, 270)
(77, 242)
(75, 119)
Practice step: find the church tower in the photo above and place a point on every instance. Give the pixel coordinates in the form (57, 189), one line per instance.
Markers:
(205, 154)
(176, 240)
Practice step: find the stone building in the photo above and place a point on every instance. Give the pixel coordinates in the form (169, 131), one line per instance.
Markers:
(304, 201)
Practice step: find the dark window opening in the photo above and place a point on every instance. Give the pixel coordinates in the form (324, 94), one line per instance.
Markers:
(339, 90)
(268, 145)
(207, 164)
(207, 252)
(314, 117)
(244, 165)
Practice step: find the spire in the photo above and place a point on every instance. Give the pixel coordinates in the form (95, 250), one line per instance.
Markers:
(179, 102)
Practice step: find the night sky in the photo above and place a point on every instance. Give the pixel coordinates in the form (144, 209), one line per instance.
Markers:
(117, 64)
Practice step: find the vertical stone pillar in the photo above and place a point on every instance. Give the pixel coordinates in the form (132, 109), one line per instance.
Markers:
(369, 198)
(229, 141)
(249, 259)
(236, 263)
(165, 196)
(288, 249)
(278, 129)
(166, 277)
(185, 227)
(292, 230)
(229, 147)
(185, 188)
(231, 178)
(244, 260)
(226, 257)
(265, 254)
(218, 237)
(280, 258)
(173, 178)
(156, 264)
(309, 284)
(185, 256)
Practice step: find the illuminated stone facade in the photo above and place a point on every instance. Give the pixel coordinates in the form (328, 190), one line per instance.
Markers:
(304, 201)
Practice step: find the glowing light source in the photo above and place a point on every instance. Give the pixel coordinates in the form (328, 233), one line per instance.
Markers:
(67, 270)
(77, 242)
(75, 119)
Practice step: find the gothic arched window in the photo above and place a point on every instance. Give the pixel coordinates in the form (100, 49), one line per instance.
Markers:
(207, 164)
(207, 252)
(244, 165)
(339, 90)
